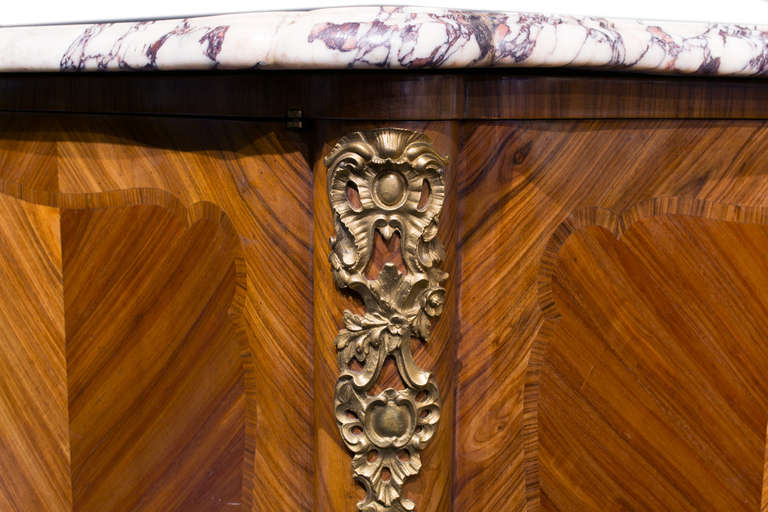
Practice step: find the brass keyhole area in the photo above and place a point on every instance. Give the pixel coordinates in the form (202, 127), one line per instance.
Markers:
(390, 188)
(390, 420)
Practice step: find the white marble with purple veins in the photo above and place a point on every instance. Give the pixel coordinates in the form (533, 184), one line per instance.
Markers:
(388, 38)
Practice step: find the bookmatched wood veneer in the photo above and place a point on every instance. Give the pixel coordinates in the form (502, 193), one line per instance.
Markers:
(525, 187)
(167, 312)
(186, 296)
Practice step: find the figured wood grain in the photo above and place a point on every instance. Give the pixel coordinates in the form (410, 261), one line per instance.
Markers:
(335, 488)
(536, 95)
(651, 391)
(34, 425)
(523, 188)
(256, 177)
(27, 160)
(519, 181)
(389, 96)
(764, 494)
(156, 381)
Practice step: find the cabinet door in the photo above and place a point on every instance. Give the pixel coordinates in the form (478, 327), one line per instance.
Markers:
(156, 347)
(612, 309)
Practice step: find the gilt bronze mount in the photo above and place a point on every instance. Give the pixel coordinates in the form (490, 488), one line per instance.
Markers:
(389, 181)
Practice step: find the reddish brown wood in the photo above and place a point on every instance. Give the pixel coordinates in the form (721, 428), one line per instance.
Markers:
(157, 399)
(530, 224)
(34, 426)
(388, 95)
(651, 393)
(254, 178)
(519, 182)
(499, 95)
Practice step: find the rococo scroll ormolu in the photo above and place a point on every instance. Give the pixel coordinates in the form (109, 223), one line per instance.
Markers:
(389, 181)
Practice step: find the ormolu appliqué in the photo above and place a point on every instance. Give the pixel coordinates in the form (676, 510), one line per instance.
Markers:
(387, 181)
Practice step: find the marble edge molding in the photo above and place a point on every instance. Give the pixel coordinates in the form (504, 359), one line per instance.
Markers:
(389, 38)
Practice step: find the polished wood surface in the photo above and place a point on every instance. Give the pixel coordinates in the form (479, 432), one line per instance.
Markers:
(155, 381)
(34, 425)
(387, 95)
(168, 311)
(258, 176)
(651, 391)
(187, 296)
(524, 188)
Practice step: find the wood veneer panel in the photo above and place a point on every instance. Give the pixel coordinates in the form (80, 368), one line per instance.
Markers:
(335, 489)
(652, 393)
(387, 95)
(576, 96)
(157, 401)
(258, 176)
(519, 181)
(319, 94)
(255, 175)
(27, 162)
(34, 433)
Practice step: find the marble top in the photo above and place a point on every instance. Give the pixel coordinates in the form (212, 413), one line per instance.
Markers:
(389, 38)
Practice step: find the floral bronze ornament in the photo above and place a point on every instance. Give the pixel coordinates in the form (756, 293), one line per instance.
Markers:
(388, 181)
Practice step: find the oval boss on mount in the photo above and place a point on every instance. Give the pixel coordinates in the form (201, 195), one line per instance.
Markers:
(392, 181)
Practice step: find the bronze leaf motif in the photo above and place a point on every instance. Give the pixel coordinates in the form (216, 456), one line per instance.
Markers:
(387, 181)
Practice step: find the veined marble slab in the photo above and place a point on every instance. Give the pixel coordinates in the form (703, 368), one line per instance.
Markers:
(388, 38)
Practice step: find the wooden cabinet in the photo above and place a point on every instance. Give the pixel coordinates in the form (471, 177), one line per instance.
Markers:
(168, 309)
